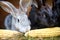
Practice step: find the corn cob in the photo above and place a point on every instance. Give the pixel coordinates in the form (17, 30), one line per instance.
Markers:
(46, 32)
(9, 35)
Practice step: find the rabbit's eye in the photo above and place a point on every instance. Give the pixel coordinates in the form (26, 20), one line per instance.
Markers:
(18, 20)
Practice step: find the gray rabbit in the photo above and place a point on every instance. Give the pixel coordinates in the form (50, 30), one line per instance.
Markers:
(17, 19)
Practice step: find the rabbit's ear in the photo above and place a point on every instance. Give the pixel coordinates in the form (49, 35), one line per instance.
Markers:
(35, 3)
(8, 7)
(24, 4)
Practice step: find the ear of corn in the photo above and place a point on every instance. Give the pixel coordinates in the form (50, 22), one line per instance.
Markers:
(9, 35)
(46, 32)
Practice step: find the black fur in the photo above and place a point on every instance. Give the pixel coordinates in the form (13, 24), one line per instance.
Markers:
(43, 16)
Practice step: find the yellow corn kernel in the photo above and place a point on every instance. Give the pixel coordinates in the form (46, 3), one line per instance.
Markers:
(9, 34)
(46, 32)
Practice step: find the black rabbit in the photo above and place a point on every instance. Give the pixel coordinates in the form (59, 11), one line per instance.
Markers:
(43, 16)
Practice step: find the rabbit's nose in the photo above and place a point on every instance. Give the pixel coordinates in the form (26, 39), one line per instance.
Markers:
(29, 27)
